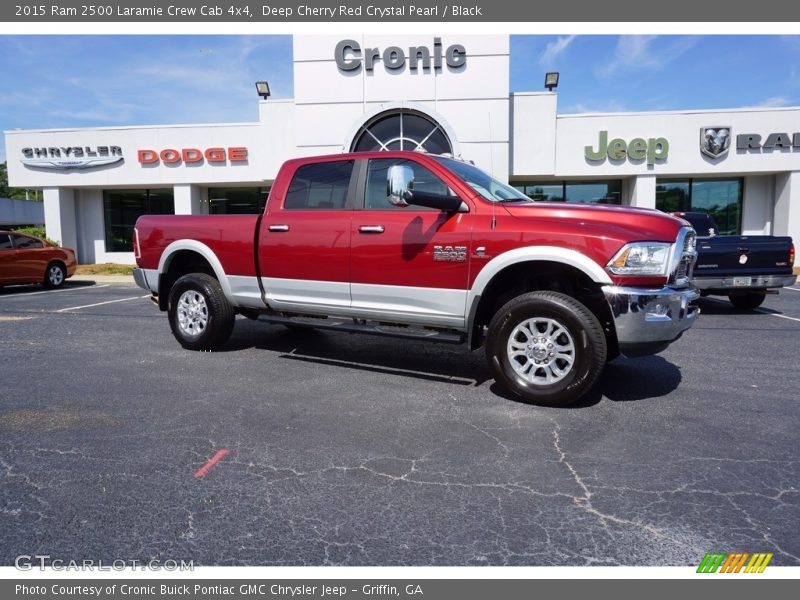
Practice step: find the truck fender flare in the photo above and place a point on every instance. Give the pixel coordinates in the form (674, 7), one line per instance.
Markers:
(554, 254)
(202, 250)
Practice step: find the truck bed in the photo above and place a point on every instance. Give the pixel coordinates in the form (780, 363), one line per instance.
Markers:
(231, 238)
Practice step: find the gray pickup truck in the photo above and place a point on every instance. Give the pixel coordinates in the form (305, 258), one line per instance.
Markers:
(742, 267)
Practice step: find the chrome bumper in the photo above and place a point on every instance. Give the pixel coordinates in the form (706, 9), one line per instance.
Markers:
(649, 320)
(756, 281)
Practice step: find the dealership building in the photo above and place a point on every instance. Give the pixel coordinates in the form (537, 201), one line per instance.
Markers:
(441, 94)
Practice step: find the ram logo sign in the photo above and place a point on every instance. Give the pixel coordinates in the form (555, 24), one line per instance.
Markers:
(715, 141)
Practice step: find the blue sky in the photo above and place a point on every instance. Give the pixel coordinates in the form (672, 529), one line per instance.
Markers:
(85, 81)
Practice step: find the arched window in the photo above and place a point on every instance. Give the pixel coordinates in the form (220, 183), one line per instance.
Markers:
(402, 130)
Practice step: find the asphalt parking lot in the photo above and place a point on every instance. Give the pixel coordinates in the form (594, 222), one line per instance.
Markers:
(339, 449)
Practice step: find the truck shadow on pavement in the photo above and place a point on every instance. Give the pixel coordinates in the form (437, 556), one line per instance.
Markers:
(421, 360)
(623, 380)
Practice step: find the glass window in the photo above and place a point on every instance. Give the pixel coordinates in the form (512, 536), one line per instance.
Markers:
(720, 198)
(483, 183)
(121, 209)
(585, 192)
(594, 192)
(402, 130)
(23, 242)
(5, 242)
(543, 192)
(672, 195)
(377, 171)
(237, 201)
(321, 186)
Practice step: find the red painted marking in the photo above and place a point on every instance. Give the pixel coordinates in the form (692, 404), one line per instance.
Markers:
(211, 462)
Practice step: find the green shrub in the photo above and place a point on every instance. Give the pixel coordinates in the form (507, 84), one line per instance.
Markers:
(38, 232)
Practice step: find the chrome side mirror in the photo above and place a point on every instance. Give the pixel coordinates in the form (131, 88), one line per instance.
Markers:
(399, 183)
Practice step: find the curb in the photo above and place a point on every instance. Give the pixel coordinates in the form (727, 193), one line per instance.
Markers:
(84, 279)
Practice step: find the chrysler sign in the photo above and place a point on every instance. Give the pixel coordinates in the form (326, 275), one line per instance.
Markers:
(71, 157)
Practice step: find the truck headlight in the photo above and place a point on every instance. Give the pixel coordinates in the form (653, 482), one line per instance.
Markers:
(641, 258)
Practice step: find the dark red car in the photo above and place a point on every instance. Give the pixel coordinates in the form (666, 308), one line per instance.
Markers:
(26, 259)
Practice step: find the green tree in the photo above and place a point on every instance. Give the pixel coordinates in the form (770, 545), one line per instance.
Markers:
(15, 193)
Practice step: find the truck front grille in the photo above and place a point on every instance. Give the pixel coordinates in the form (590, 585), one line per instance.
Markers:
(682, 273)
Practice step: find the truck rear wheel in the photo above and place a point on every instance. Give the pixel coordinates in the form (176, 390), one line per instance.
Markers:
(200, 316)
(748, 301)
(546, 348)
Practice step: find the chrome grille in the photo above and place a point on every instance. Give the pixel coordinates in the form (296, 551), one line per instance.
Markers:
(682, 273)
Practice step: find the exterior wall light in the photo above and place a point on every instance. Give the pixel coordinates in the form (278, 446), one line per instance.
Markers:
(551, 81)
(262, 87)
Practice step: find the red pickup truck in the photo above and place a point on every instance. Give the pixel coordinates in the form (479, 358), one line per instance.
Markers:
(419, 246)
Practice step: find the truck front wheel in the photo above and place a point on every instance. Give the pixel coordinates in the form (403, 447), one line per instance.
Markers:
(200, 316)
(546, 348)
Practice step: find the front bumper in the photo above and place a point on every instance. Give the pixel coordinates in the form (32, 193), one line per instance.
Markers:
(647, 320)
(735, 283)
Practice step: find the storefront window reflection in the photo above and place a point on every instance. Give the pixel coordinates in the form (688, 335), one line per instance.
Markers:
(584, 192)
(237, 200)
(721, 198)
(121, 208)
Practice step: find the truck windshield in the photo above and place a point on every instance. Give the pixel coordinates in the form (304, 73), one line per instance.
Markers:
(483, 183)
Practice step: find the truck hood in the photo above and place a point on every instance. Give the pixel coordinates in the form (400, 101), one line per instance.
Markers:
(621, 222)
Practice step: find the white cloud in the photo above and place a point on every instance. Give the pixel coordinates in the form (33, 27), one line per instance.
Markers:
(773, 102)
(642, 52)
(611, 105)
(555, 49)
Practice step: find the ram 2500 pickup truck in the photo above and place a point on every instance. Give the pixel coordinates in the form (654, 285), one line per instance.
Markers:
(427, 247)
(742, 267)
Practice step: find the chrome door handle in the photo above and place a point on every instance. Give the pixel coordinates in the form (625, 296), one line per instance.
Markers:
(371, 229)
(279, 228)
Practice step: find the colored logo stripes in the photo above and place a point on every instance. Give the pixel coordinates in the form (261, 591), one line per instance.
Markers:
(734, 562)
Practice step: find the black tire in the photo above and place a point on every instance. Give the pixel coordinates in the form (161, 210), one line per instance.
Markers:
(54, 275)
(582, 329)
(748, 301)
(210, 326)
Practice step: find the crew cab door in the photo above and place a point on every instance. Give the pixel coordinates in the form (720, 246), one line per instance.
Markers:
(408, 264)
(304, 245)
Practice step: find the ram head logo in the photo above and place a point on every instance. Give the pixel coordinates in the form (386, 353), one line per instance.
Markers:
(715, 141)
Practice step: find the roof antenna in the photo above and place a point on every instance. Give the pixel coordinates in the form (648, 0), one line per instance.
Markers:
(491, 164)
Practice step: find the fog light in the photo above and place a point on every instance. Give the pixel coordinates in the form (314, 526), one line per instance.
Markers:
(658, 309)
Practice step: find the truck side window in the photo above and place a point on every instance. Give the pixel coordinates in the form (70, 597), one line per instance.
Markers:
(321, 186)
(5, 242)
(424, 181)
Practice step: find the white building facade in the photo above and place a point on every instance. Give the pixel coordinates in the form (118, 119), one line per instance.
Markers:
(441, 94)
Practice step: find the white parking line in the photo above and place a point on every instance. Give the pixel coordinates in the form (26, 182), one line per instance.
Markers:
(793, 289)
(758, 310)
(75, 289)
(101, 303)
(764, 312)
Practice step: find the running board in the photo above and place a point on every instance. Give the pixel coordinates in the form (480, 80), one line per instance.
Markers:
(368, 328)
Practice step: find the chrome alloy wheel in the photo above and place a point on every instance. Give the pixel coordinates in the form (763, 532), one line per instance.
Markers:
(192, 313)
(541, 351)
(55, 275)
